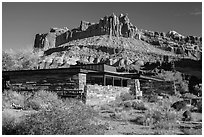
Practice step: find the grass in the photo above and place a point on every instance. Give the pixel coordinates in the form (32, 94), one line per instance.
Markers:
(53, 116)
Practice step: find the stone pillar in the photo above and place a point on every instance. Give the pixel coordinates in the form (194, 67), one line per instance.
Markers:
(134, 85)
(81, 81)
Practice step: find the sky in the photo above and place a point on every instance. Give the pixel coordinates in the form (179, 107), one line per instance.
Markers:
(22, 21)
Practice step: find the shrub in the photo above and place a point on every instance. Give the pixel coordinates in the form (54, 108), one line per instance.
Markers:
(18, 60)
(141, 120)
(138, 105)
(10, 97)
(162, 119)
(162, 116)
(191, 131)
(43, 100)
(179, 105)
(70, 118)
(153, 98)
(126, 96)
(9, 126)
(54, 117)
(127, 104)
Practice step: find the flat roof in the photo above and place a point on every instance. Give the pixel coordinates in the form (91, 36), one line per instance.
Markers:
(87, 69)
(44, 71)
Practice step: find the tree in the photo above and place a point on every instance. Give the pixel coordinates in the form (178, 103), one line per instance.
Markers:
(7, 61)
(19, 60)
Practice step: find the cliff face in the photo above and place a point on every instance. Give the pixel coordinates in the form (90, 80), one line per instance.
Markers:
(109, 25)
(114, 41)
(185, 46)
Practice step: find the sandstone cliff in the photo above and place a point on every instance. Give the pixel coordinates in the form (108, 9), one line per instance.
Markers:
(114, 41)
(109, 25)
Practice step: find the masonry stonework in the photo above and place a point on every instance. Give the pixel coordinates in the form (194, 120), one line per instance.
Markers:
(97, 94)
(134, 85)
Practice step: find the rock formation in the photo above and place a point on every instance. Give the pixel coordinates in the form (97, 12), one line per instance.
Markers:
(110, 41)
(109, 25)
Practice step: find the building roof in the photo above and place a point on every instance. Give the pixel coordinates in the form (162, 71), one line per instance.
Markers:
(88, 69)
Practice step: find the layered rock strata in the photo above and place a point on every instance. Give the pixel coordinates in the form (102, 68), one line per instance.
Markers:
(109, 25)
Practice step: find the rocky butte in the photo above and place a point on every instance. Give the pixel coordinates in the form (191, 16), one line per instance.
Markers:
(109, 25)
(114, 40)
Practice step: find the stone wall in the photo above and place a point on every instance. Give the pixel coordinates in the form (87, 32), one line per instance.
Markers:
(97, 94)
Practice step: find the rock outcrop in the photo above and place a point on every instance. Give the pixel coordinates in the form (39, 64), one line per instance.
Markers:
(110, 41)
(185, 46)
(109, 25)
(48, 40)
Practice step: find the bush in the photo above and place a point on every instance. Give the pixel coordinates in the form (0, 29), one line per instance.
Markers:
(179, 105)
(61, 121)
(9, 126)
(162, 116)
(127, 104)
(10, 97)
(43, 100)
(18, 60)
(153, 98)
(141, 120)
(126, 96)
(54, 117)
(162, 119)
(138, 105)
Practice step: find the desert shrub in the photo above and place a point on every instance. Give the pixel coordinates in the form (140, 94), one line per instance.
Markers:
(179, 105)
(162, 119)
(162, 116)
(10, 97)
(191, 131)
(63, 118)
(126, 96)
(43, 100)
(153, 98)
(127, 104)
(106, 108)
(116, 103)
(166, 125)
(140, 120)
(9, 126)
(138, 105)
